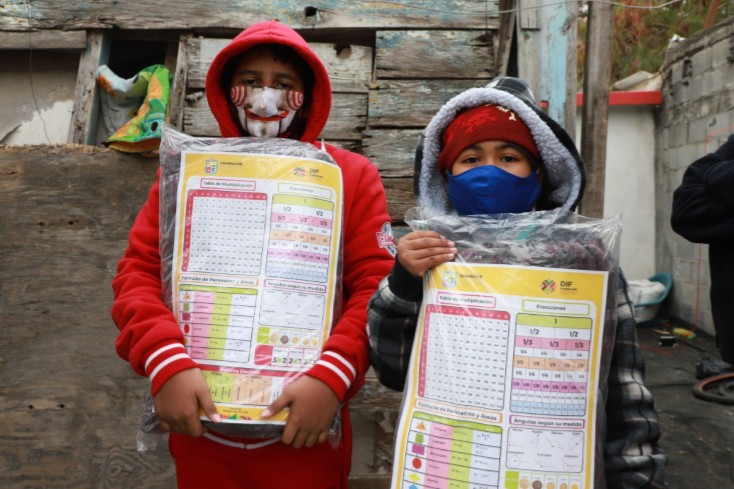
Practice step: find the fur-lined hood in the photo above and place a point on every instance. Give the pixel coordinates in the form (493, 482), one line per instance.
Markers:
(564, 180)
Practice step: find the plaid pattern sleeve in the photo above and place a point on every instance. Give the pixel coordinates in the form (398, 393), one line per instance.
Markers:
(632, 457)
(391, 320)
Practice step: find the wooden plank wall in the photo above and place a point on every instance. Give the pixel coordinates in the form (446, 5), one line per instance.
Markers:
(392, 63)
(382, 97)
(70, 407)
(233, 14)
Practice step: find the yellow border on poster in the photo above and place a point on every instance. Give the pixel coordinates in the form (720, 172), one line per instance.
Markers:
(545, 291)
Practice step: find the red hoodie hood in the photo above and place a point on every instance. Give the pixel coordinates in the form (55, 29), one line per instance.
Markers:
(269, 32)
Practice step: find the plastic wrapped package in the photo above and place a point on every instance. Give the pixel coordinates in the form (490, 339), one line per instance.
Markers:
(250, 246)
(512, 353)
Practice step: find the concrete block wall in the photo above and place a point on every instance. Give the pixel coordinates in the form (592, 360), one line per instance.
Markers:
(696, 117)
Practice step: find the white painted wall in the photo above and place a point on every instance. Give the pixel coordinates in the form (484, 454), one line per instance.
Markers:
(36, 96)
(629, 189)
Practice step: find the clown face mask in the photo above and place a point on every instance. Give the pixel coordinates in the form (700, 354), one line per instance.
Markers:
(264, 111)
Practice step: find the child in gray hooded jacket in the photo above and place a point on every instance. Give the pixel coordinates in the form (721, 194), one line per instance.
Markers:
(491, 150)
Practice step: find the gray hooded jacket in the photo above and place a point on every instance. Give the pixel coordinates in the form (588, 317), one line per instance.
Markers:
(631, 456)
(563, 170)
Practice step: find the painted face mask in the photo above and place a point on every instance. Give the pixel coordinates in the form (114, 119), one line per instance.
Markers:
(492, 190)
(265, 112)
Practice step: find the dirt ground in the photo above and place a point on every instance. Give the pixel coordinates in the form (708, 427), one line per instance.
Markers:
(696, 434)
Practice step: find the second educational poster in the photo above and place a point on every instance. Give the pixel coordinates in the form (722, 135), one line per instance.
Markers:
(502, 383)
(255, 271)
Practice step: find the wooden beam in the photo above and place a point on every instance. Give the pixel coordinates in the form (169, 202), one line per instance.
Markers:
(46, 40)
(434, 54)
(412, 103)
(506, 36)
(546, 46)
(349, 66)
(557, 60)
(85, 114)
(235, 15)
(595, 112)
(392, 150)
(529, 43)
(180, 80)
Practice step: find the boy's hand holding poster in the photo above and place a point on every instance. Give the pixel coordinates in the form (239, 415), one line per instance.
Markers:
(514, 338)
(251, 230)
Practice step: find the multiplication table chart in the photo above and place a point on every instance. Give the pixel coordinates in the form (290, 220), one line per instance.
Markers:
(474, 343)
(224, 232)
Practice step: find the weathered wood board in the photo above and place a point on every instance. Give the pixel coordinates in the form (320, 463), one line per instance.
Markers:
(235, 14)
(434, 54)
(53, 40)
(180, 82)
(392, 150)
(85, 115)
(412, 103)
(400, 198)
(349, 66)
(70, 406)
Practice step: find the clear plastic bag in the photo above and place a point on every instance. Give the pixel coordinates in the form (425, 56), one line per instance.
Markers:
(173, 143)
(549, 239)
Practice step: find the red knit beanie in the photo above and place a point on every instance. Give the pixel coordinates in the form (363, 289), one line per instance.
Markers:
(483, 123)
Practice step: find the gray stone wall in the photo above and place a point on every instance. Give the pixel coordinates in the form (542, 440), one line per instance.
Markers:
(696, 117)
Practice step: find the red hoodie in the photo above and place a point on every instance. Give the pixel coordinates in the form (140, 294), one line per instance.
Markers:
(151, 340)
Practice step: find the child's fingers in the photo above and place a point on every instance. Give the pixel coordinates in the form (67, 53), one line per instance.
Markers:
(311, 440)
(323, 436)
(207, 404)
(275, 407)
(425, 243)
(289, 434)
(427, 240)
(193, 427)
(433, 251)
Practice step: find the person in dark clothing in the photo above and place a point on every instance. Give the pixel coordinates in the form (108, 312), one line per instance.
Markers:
(703, 212)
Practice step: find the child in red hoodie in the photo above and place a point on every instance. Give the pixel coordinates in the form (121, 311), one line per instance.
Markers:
(267, 83)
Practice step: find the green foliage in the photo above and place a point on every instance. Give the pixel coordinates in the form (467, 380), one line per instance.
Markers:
(641, 35)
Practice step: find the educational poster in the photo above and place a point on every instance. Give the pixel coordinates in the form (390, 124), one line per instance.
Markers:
(503, 378)
(255, 263)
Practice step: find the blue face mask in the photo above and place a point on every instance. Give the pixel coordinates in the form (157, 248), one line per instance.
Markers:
(491, 190)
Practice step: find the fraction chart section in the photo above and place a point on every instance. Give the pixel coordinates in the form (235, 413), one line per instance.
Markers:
(464, 355)
(300, 238)
(551, 365)
(444, 453)
(224, 232)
